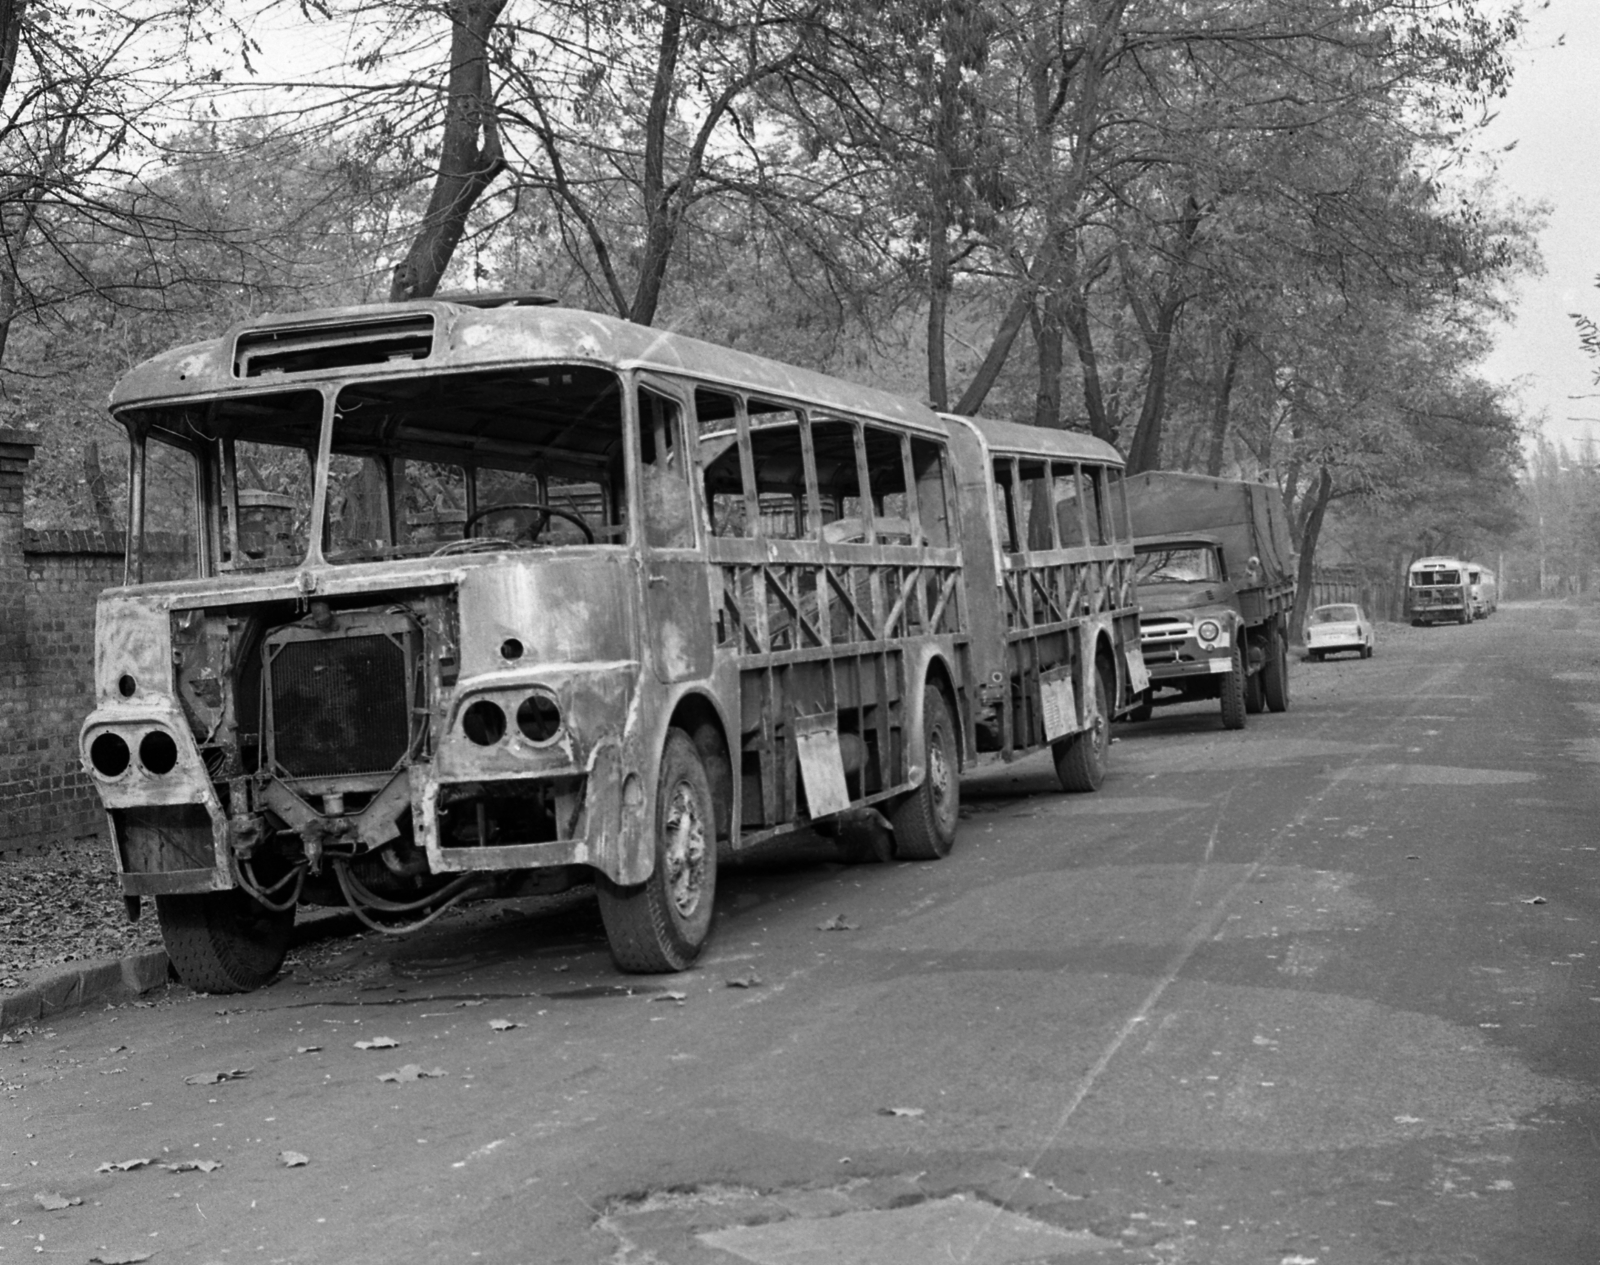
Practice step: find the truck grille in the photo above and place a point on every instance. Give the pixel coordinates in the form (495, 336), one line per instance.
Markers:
(340, 705)
(1161, 638)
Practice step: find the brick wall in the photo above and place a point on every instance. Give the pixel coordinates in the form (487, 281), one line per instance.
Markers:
(48, 584)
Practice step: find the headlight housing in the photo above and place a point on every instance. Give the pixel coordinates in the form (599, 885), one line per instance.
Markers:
(1209, 630)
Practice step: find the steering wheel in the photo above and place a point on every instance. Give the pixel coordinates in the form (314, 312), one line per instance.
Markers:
(537, 507)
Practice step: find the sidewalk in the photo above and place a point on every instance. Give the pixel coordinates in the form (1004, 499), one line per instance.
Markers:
(55, 989)
(60, 988)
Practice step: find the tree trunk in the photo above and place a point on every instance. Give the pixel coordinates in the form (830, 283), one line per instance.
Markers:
(94, 478)
(1308, 552)
(470, 156)
(1219, 413)
(1144, 452)
(1050, 335)
(989, 371)
(938, 299)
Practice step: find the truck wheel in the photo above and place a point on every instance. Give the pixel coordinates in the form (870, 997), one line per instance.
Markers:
(1255, 693)
(662, 923)
(925, 820)
(1275, 671)
(1232, 689)
(223, 942)
(1081, 757)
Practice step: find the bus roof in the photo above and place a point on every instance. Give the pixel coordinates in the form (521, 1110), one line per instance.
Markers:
(279, 352)
(1436, 564)
(1015, 438)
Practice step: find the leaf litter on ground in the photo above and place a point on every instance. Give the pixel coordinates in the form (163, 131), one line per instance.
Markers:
(838, 923)
(378, 1043)
(54, 1201)
(293, 1159)
(216, 1078)
(504, 1025)
(410, 1072)
(121, 1166)
(119, 1258)
(64, 907)
(752, 980)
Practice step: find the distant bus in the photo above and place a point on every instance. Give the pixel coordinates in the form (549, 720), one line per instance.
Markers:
(1485, 591)
(1438, 591)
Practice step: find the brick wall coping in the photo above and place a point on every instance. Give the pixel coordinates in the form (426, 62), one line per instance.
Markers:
(92, 541)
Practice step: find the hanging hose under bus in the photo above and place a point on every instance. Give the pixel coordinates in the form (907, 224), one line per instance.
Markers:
(365, 903)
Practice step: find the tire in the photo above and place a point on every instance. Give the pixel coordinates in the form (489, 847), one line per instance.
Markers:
(925, 820)
(1316, 655)
(663, 923)
(864, 841)
(1232, 692)
(1255, 695)
(1275, 671)
(223, 942)
(1081, 758)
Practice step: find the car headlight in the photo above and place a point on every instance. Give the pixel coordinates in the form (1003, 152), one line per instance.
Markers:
(1209, 630)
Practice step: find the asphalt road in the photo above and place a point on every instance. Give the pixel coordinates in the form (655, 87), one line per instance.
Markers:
(1324, 990)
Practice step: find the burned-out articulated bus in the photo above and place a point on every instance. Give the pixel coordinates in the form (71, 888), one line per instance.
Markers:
(447, 599)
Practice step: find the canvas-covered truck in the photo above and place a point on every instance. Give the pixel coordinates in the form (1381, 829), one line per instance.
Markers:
(1215, 570)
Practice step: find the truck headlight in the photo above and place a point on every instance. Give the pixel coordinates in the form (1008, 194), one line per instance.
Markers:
(1209, 630)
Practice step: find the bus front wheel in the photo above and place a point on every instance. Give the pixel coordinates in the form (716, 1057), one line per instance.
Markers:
(925, 820)
(663, 923)
(223, 942)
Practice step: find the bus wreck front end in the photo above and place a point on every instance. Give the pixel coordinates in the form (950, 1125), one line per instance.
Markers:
(377, 642)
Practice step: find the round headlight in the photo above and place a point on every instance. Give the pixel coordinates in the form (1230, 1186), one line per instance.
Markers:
(110, 755)
(1209, 630)
(484, 723)
(539, 718)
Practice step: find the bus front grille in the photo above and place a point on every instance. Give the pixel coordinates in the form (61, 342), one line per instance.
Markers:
(340, 705)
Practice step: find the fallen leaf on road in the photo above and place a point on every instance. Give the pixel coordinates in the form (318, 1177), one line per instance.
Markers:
(504, 1025)
(745, 981)
(410, 1072)
(670, 995)
(838, 923)
(477, 1002)
(119, 1258)
(307, 1049)
(908, 1112)
(378, 1043)
(193, 1166)
(51, 1201)
(121, 1166)
(292, 1159)
(216, 1078)
(1534, 900)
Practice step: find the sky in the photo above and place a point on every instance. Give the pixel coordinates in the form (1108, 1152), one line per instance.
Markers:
(1552, 114)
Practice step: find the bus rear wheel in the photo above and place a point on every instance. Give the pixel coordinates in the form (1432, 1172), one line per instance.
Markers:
(1081, 758)
(663, 923)
(223, 942)
(925, 820)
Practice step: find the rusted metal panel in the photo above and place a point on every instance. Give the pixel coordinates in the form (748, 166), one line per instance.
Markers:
(821, 764)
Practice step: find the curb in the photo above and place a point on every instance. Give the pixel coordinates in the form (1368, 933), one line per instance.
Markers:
(118, 979)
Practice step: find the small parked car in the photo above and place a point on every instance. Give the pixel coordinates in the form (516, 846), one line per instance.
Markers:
(1337, 627)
